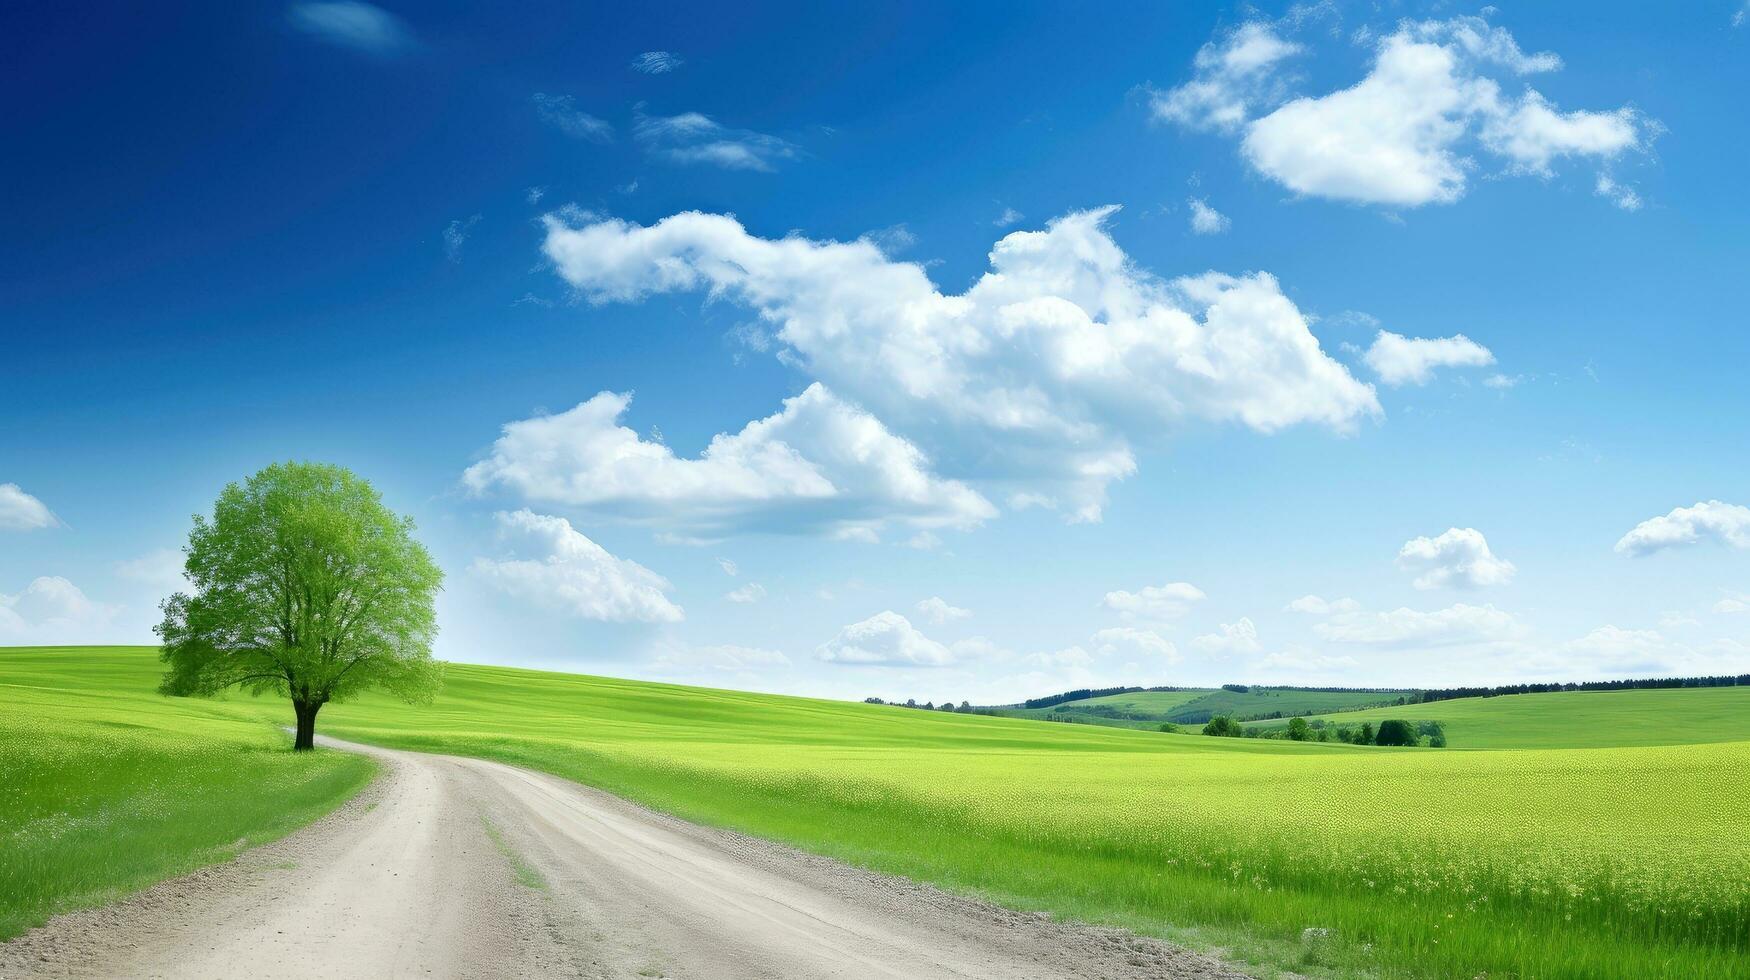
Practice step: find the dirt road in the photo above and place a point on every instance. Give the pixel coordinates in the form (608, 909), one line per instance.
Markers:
(451, 867)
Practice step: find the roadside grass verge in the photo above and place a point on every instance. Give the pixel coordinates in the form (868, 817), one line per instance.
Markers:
(107, 788)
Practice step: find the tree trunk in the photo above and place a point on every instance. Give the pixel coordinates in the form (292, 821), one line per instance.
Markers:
(306, 711)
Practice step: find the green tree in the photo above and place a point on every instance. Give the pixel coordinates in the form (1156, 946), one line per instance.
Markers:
(304, 586)
(1224, 726)
(1365, 736)
(1395, 732)
(1299, 730)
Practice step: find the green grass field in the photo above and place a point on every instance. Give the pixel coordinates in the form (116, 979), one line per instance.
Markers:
(1148, 709)
(1549, 863)
(1575, 719)
(1545, 863)
(105, 787)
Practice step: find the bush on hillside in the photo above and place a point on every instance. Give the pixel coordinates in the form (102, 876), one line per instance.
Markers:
(1393, 731)
(1225, 727)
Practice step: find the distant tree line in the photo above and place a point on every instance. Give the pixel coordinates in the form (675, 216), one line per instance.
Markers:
(964, 707)
(1081, 694)
(1450, 693)
(1392, 731)
(1412, 697)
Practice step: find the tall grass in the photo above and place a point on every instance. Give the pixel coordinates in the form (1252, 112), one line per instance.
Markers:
(105, 787)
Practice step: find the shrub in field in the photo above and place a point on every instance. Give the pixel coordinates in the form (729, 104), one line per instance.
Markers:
(1394, 731)
(1298, 729)
(1225, 727)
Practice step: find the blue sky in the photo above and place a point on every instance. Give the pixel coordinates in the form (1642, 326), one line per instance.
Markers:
(1431, 312)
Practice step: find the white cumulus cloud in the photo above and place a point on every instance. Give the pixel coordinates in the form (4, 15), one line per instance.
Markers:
(19, 511)
(1129, 640)
(1312, 605)
(1154, 602)
(1437, 93)
(556, 566)
(1036, 378)
(938, 611)
(818, 466)
(1458, 558)
(1684, 526)
(1400, 360)
(1239, 637)
(1234, 75)
(52, 610)
(885, 639)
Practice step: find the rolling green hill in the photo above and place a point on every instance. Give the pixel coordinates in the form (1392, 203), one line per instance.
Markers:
(1512, 862)
(1575, 719)
(1148, 709)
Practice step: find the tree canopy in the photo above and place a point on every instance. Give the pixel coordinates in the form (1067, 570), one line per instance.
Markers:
(1225, 727)
(1394, 731)
(303, 585)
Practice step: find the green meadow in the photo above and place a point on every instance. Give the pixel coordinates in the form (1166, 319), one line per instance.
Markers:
(106, 787)
(1523, 862)
(1573, 719)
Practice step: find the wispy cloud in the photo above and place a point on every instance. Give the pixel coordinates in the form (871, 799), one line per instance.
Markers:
(657, 62)
(351, 24)
(693, 137)
(562, 113)
(19, 511)
(456, 234)
(1621, 195)
(1205, 220)
(751, 592)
